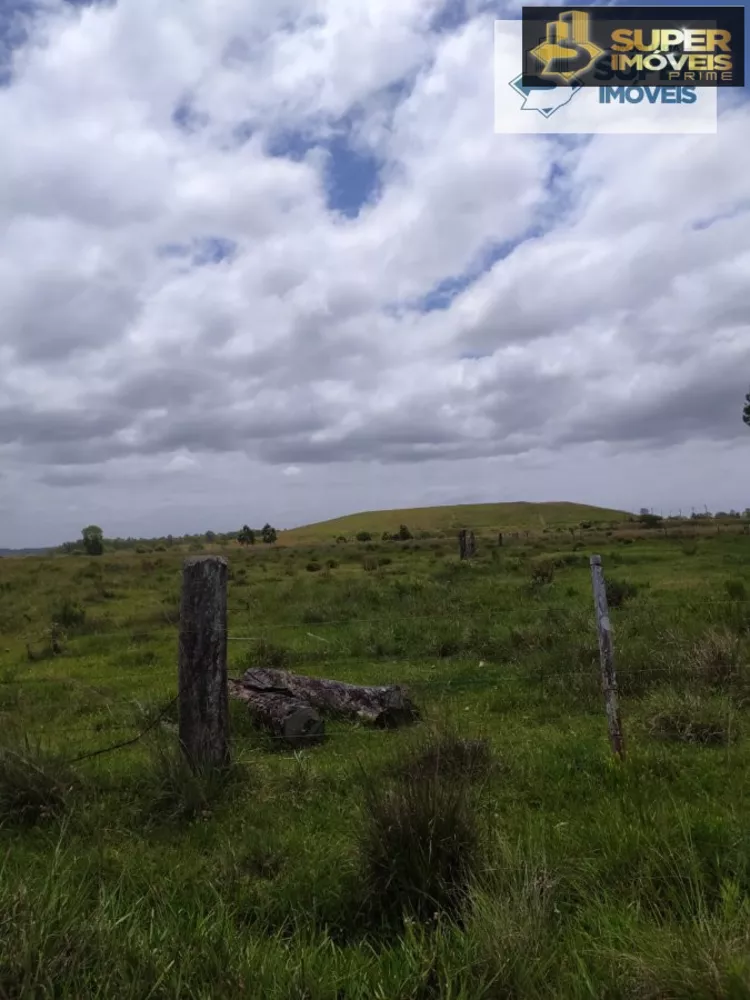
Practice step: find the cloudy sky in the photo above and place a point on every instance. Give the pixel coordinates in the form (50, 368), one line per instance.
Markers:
(267, 260)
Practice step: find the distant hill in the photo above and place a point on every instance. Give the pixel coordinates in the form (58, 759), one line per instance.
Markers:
(477, 517)
(25, 552)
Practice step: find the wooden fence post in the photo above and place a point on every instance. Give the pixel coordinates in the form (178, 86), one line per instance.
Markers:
(203, 695)
(466, 544)
(607, 658)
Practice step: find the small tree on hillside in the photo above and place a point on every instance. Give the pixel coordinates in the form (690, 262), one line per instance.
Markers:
(246, 536)
(268, 534)
(403, 534)
(93, 540)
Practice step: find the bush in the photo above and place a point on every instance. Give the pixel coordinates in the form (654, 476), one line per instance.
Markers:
(332, 563)
(363, 536)
(419, 844)
(687, 718)
(384, 561)
(619, 591)
(313, 567)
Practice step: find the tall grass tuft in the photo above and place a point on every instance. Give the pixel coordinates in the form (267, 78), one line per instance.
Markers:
(35, 784)
(420, 841)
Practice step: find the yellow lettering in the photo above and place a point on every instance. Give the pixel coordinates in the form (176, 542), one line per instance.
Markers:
(722, 62)
(695, 40)
(622, 40)
(719, 38)
(668, 37)
(631, 62)
(640, 43)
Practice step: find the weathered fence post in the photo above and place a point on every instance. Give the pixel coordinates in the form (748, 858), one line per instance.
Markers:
(607, 658)
(466, 544)
(203, 695)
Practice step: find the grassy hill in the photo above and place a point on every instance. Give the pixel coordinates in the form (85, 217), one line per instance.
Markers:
(487, 517)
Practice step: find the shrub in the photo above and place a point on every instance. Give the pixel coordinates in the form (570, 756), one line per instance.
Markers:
(385, 537)
(369, 564)
(332, 563)
(619, 591)
(419, 844)
(384, 561)
(404, 535)
(313, 567)
(687, 718)
(342, 539)
(364, 536)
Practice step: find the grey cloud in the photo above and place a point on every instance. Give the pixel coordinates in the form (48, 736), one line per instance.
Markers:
(70, 478)
(59, 315)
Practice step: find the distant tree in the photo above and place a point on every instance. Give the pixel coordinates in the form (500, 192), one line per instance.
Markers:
(246, 536)
(68, 547)
(364, 536)
(93, 540)
(386, 536)
(210, 536)
(170, 540)
(268, 534)
(403, 534)
(746, 410)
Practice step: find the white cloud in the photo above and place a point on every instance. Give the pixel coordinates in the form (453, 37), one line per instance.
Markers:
(616, 337)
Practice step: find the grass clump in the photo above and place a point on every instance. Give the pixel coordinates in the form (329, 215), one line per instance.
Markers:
(687, 718)
(448, 756)
(35, 784)
(420, 841)
(182, 792)
(619, 591)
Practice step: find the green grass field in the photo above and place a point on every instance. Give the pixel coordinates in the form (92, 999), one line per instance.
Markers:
(495, 850)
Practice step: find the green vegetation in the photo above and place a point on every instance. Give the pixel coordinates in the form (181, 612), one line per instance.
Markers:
(496, 850)
(487, 517)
